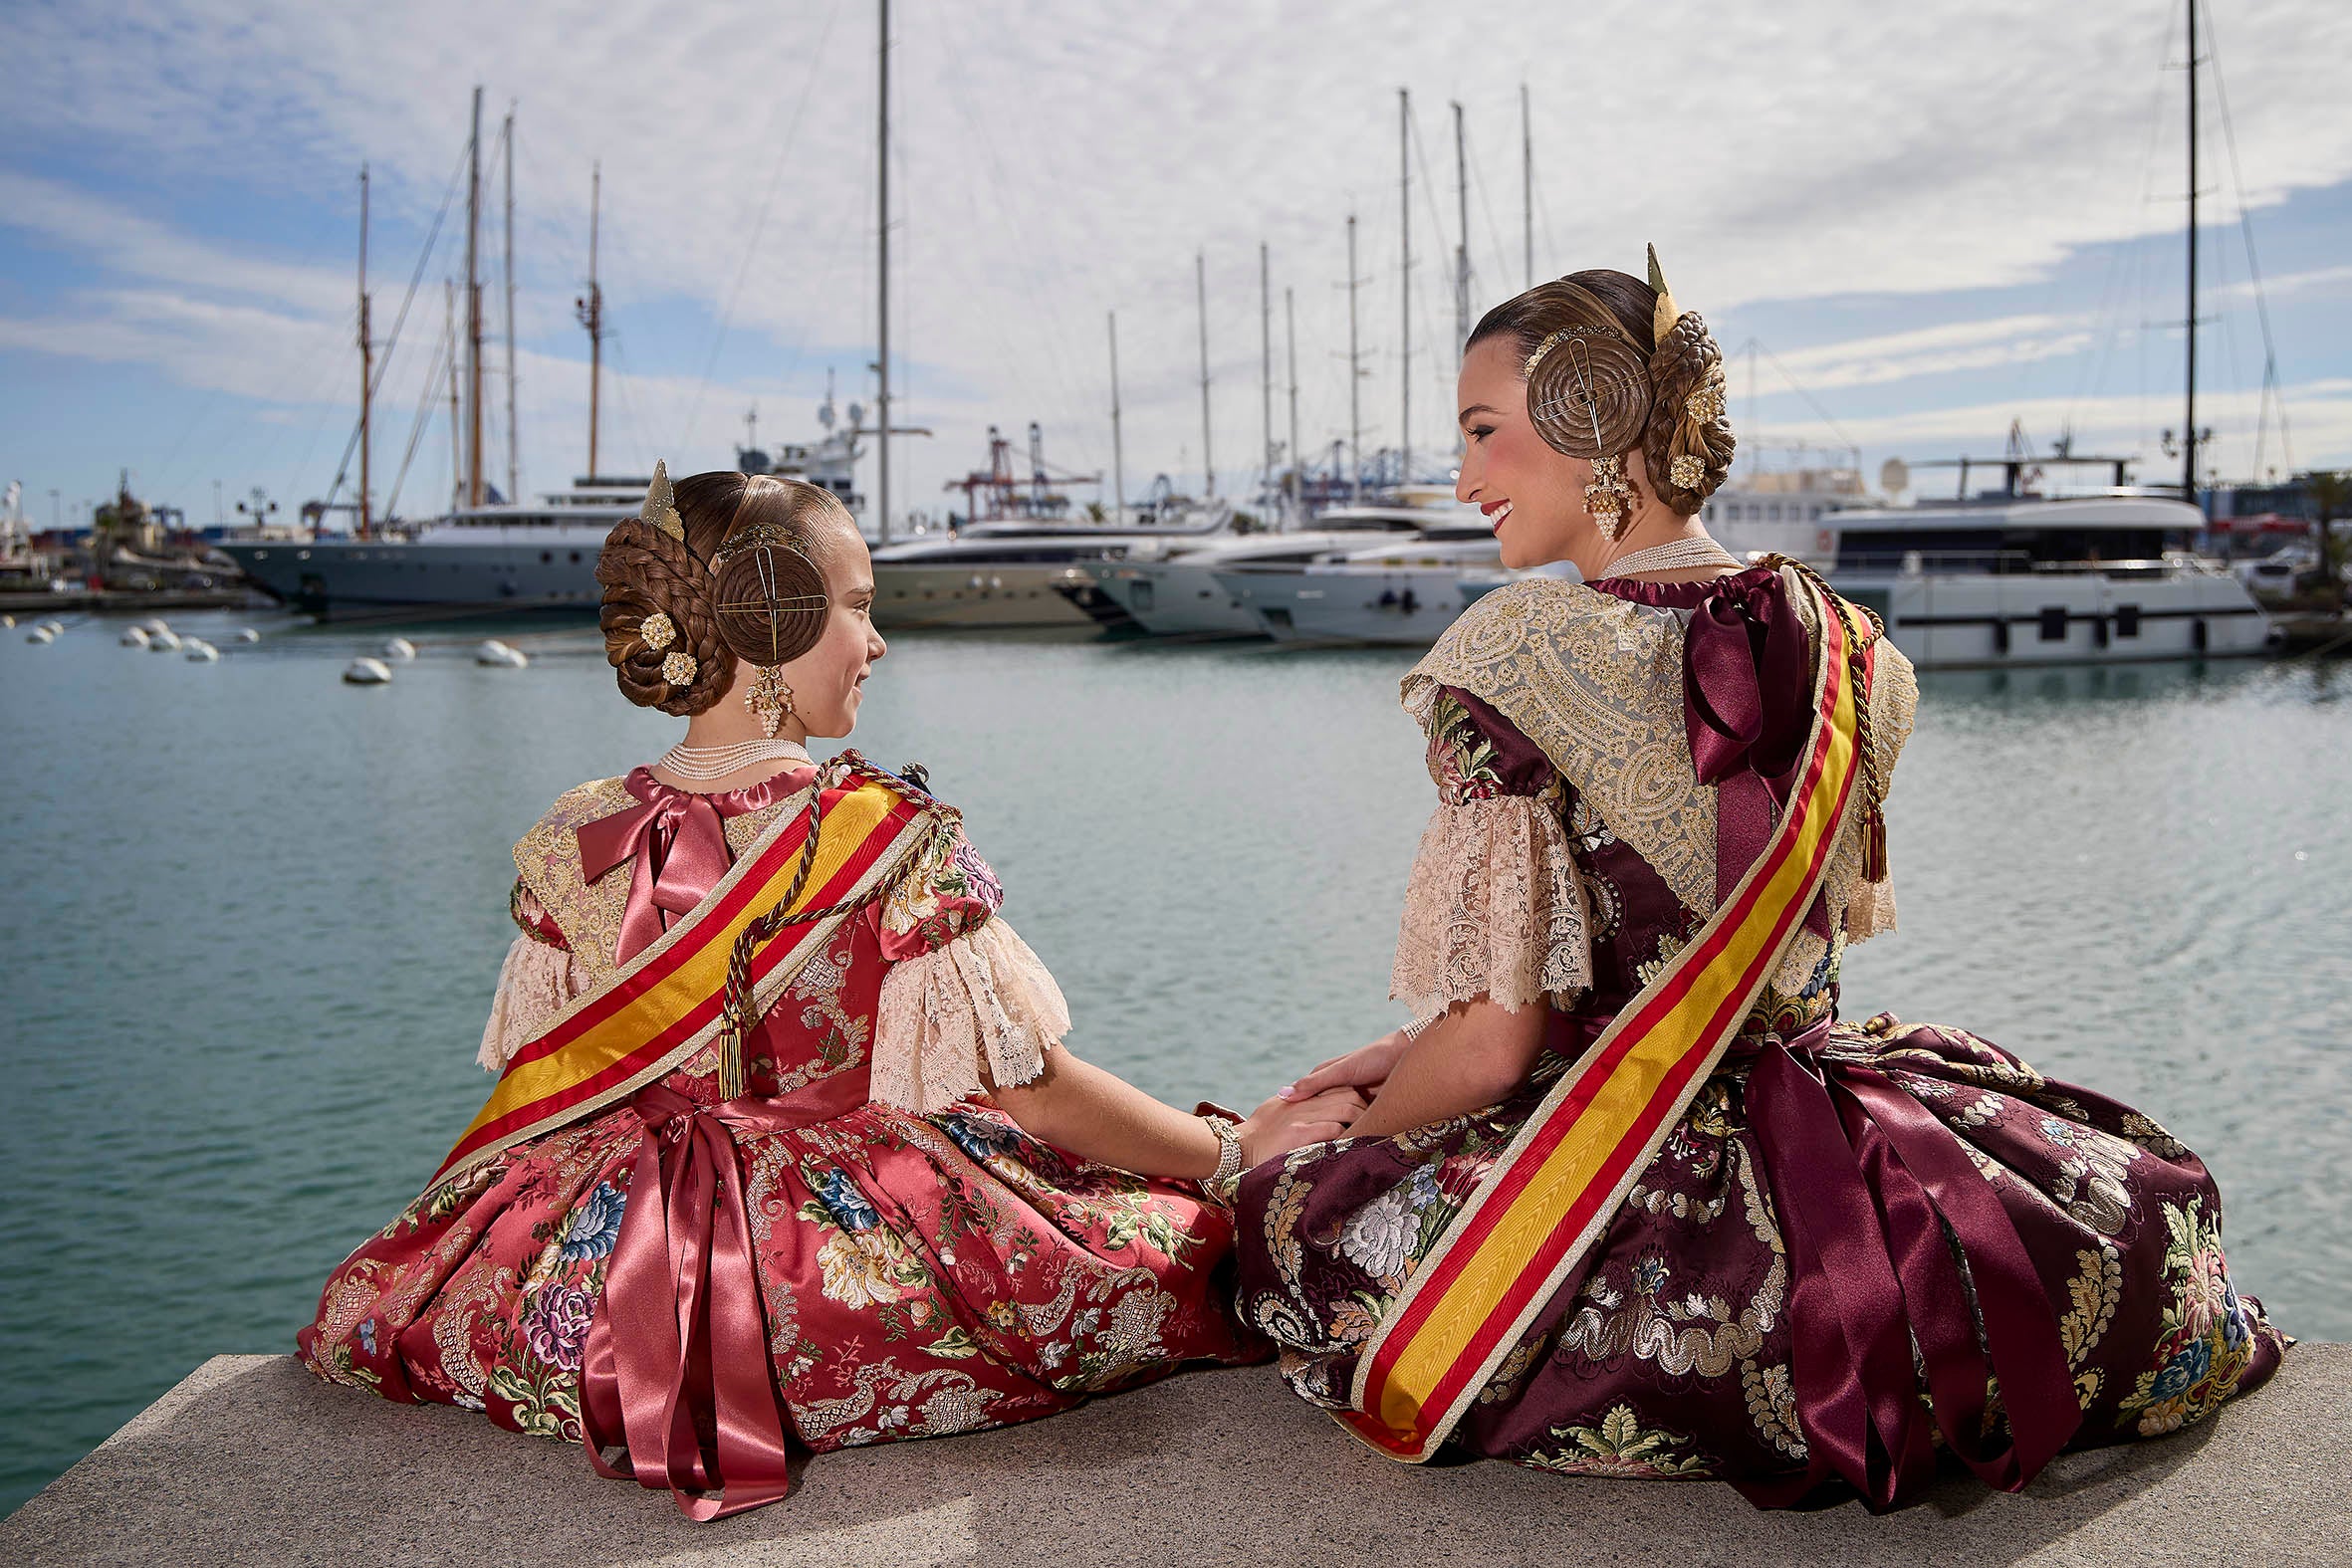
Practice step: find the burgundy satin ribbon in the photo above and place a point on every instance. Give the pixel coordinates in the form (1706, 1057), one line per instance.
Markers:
(1867, 1183)
(1747, 689)
(676, 1371)
(679, 841)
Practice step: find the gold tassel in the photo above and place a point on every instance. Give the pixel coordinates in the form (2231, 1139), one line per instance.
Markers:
(1875, 845)
(731, 1060)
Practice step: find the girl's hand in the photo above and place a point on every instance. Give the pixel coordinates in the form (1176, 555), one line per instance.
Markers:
(1279, 1126)
(1366, 1068)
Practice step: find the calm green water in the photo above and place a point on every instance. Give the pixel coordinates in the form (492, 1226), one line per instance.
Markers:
(252, 919)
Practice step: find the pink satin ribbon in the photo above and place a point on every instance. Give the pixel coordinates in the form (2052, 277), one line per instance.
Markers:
(679, 842)
(677, 1372)
(1868, 1183)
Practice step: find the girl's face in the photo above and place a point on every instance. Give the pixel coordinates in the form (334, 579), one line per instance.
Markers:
(829, 681)
(1532, 494)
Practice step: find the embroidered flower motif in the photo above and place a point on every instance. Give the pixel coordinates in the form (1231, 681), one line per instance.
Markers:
(678, 668)
(657, 630)
(857, 1275)
(557, 1325)
(978, 1136)
(367, 1336)
(2208, 1331)
(1381, 1237)
(849, 1206)
(1619, 1445)
(595, 1225)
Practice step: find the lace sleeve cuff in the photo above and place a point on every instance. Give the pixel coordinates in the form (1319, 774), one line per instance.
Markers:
(537, 982)
(976, 1011)
(1495, 909)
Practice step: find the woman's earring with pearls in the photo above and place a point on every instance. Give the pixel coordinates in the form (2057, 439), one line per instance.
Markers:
(1608, 498)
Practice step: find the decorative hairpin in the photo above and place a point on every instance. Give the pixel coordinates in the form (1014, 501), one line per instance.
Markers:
(1664, 316)
(657, 630)
(661, 504)
(678, 668)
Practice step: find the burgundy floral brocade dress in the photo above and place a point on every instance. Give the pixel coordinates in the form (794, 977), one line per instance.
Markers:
(924, 1266)
(1673, 1351)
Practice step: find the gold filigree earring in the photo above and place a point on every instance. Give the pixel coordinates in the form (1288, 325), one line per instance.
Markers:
(1608, 498)
(770, 699)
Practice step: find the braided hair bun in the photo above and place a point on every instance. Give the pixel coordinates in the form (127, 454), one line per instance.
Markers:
(657, 604)
(1688, 441)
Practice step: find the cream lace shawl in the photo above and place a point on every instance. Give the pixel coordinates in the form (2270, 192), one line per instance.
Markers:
(1596, 682)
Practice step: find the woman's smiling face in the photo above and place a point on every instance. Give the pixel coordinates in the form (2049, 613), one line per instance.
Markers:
(1533, 496)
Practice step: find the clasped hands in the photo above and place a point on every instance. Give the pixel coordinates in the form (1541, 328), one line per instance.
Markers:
(1322, 1104)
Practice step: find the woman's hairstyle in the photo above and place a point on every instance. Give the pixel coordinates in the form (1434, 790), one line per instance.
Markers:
(1686, 416)
(743, 577)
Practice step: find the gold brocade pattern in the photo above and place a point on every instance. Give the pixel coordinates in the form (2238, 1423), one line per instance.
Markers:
(1596, 682)
(548, 857)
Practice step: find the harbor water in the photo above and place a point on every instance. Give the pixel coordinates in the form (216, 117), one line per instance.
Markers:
(252, 917)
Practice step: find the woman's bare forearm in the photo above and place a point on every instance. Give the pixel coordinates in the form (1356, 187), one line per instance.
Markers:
(1474, 1056)
(1100, 1116)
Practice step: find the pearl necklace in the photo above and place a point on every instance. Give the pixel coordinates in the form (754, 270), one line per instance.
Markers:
(1675, 555)
(716, 762)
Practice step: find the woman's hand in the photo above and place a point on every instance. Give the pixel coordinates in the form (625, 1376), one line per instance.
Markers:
(1366, 1068)
(1279, 1126)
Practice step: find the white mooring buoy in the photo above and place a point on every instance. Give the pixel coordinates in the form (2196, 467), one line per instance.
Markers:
(42, 635)
(368, 672)
(248, 634)
(134, 637)
(164, 641)
(199, 652)
(399, 648)
(502, 655)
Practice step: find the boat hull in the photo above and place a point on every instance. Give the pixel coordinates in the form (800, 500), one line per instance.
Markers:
(1996, 621)
(911, 597)
(1391, 606)
(548, 569)
(1174, 598)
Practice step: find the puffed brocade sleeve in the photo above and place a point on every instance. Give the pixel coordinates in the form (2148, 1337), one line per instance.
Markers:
(538, 981)
(1494, 907)
(966, 1007)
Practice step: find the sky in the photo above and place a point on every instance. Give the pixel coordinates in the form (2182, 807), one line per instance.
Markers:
(1908, 226)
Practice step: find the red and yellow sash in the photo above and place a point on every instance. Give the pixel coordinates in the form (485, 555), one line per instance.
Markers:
(665, 1003)
(1550, 1197)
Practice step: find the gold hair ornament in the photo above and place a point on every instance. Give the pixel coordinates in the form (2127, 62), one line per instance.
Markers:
(678, 668)
(661, 504)
(657, 630)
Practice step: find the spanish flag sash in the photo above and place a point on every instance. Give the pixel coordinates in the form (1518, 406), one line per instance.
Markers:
(667, 1001)
(1548, 1200)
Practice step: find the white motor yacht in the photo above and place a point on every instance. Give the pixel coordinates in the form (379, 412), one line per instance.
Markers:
(1012, 574)
(1404, 594)
(1174, 593)
(2094, 579)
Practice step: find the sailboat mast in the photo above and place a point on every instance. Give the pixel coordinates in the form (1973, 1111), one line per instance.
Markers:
(2189, 417)
(456, 438)
(514, 459)
(591, 310)
(882, 293)
(1119, 450)
(1199, 280)
(1404, 274)
(1527, 184)
(473, 310)
(1461, 255)
(1355, 377)
(1291, 336)
(366, 357)
(1266, 360)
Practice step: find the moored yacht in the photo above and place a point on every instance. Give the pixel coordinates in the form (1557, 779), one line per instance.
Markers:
(1405, 594)
(1173, 591)
(2093, 579)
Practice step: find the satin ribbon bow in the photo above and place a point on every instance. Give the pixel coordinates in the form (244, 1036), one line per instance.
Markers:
(1746, 690)
(1869, 1184)
(680, 845)
(677, 1372)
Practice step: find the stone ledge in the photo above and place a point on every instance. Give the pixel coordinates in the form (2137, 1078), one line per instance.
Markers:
(251, 1461)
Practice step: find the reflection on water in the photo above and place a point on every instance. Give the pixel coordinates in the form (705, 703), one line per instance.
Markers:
(255, 916)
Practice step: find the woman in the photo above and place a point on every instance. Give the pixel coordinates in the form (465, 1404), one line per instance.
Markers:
(786, 1146)
(1630, 1199)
